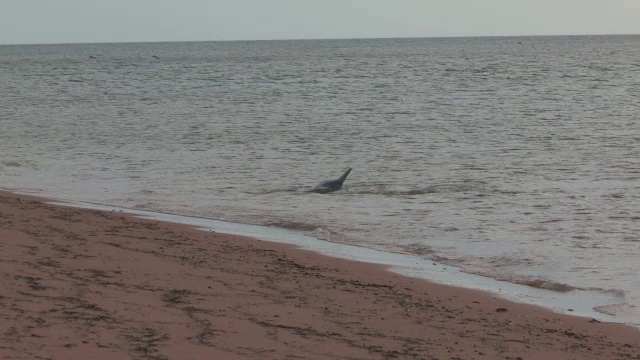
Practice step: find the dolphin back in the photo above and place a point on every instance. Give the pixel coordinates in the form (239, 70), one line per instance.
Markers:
(326, 186)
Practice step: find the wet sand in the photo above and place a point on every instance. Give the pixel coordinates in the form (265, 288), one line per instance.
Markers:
(80, 284)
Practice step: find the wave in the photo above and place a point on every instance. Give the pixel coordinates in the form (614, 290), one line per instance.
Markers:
(22, 164)
(534, 282)
(614, 309)
(418, 249)
(542, 283)
(290, 190)
(11, 164)
(547, 285)
(293, 225)
(387, 190)
(477, 187)
(380, 189)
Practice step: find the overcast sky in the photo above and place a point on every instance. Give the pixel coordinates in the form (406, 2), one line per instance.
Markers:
(72, 21)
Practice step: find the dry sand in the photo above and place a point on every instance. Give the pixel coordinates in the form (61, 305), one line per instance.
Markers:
(84, 284)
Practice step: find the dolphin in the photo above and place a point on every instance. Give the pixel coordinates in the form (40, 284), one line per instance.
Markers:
(330, 185)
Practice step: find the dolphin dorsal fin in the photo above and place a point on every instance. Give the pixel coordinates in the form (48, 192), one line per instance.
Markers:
(344, 176)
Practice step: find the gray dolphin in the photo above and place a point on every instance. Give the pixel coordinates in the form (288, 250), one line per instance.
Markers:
(330, 185)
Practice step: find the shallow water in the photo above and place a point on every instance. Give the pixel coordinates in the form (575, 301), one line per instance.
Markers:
(515, 158)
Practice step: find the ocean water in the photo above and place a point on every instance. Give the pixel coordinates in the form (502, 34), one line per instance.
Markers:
(514, 158)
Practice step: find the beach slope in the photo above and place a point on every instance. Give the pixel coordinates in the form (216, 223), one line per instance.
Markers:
(85, 284)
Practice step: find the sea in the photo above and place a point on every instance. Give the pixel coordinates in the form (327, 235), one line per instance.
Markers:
(514, 158)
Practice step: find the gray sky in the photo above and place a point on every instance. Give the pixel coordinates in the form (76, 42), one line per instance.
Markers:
(69, 21)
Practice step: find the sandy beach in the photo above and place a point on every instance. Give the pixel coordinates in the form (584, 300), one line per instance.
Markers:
(85, 284)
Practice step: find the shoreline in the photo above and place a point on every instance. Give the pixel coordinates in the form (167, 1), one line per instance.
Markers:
(89, 283)
(587, 303)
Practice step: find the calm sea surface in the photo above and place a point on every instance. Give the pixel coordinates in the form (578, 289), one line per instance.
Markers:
(516, 158)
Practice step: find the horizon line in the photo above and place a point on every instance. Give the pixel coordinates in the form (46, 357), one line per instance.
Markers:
(317, 39)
